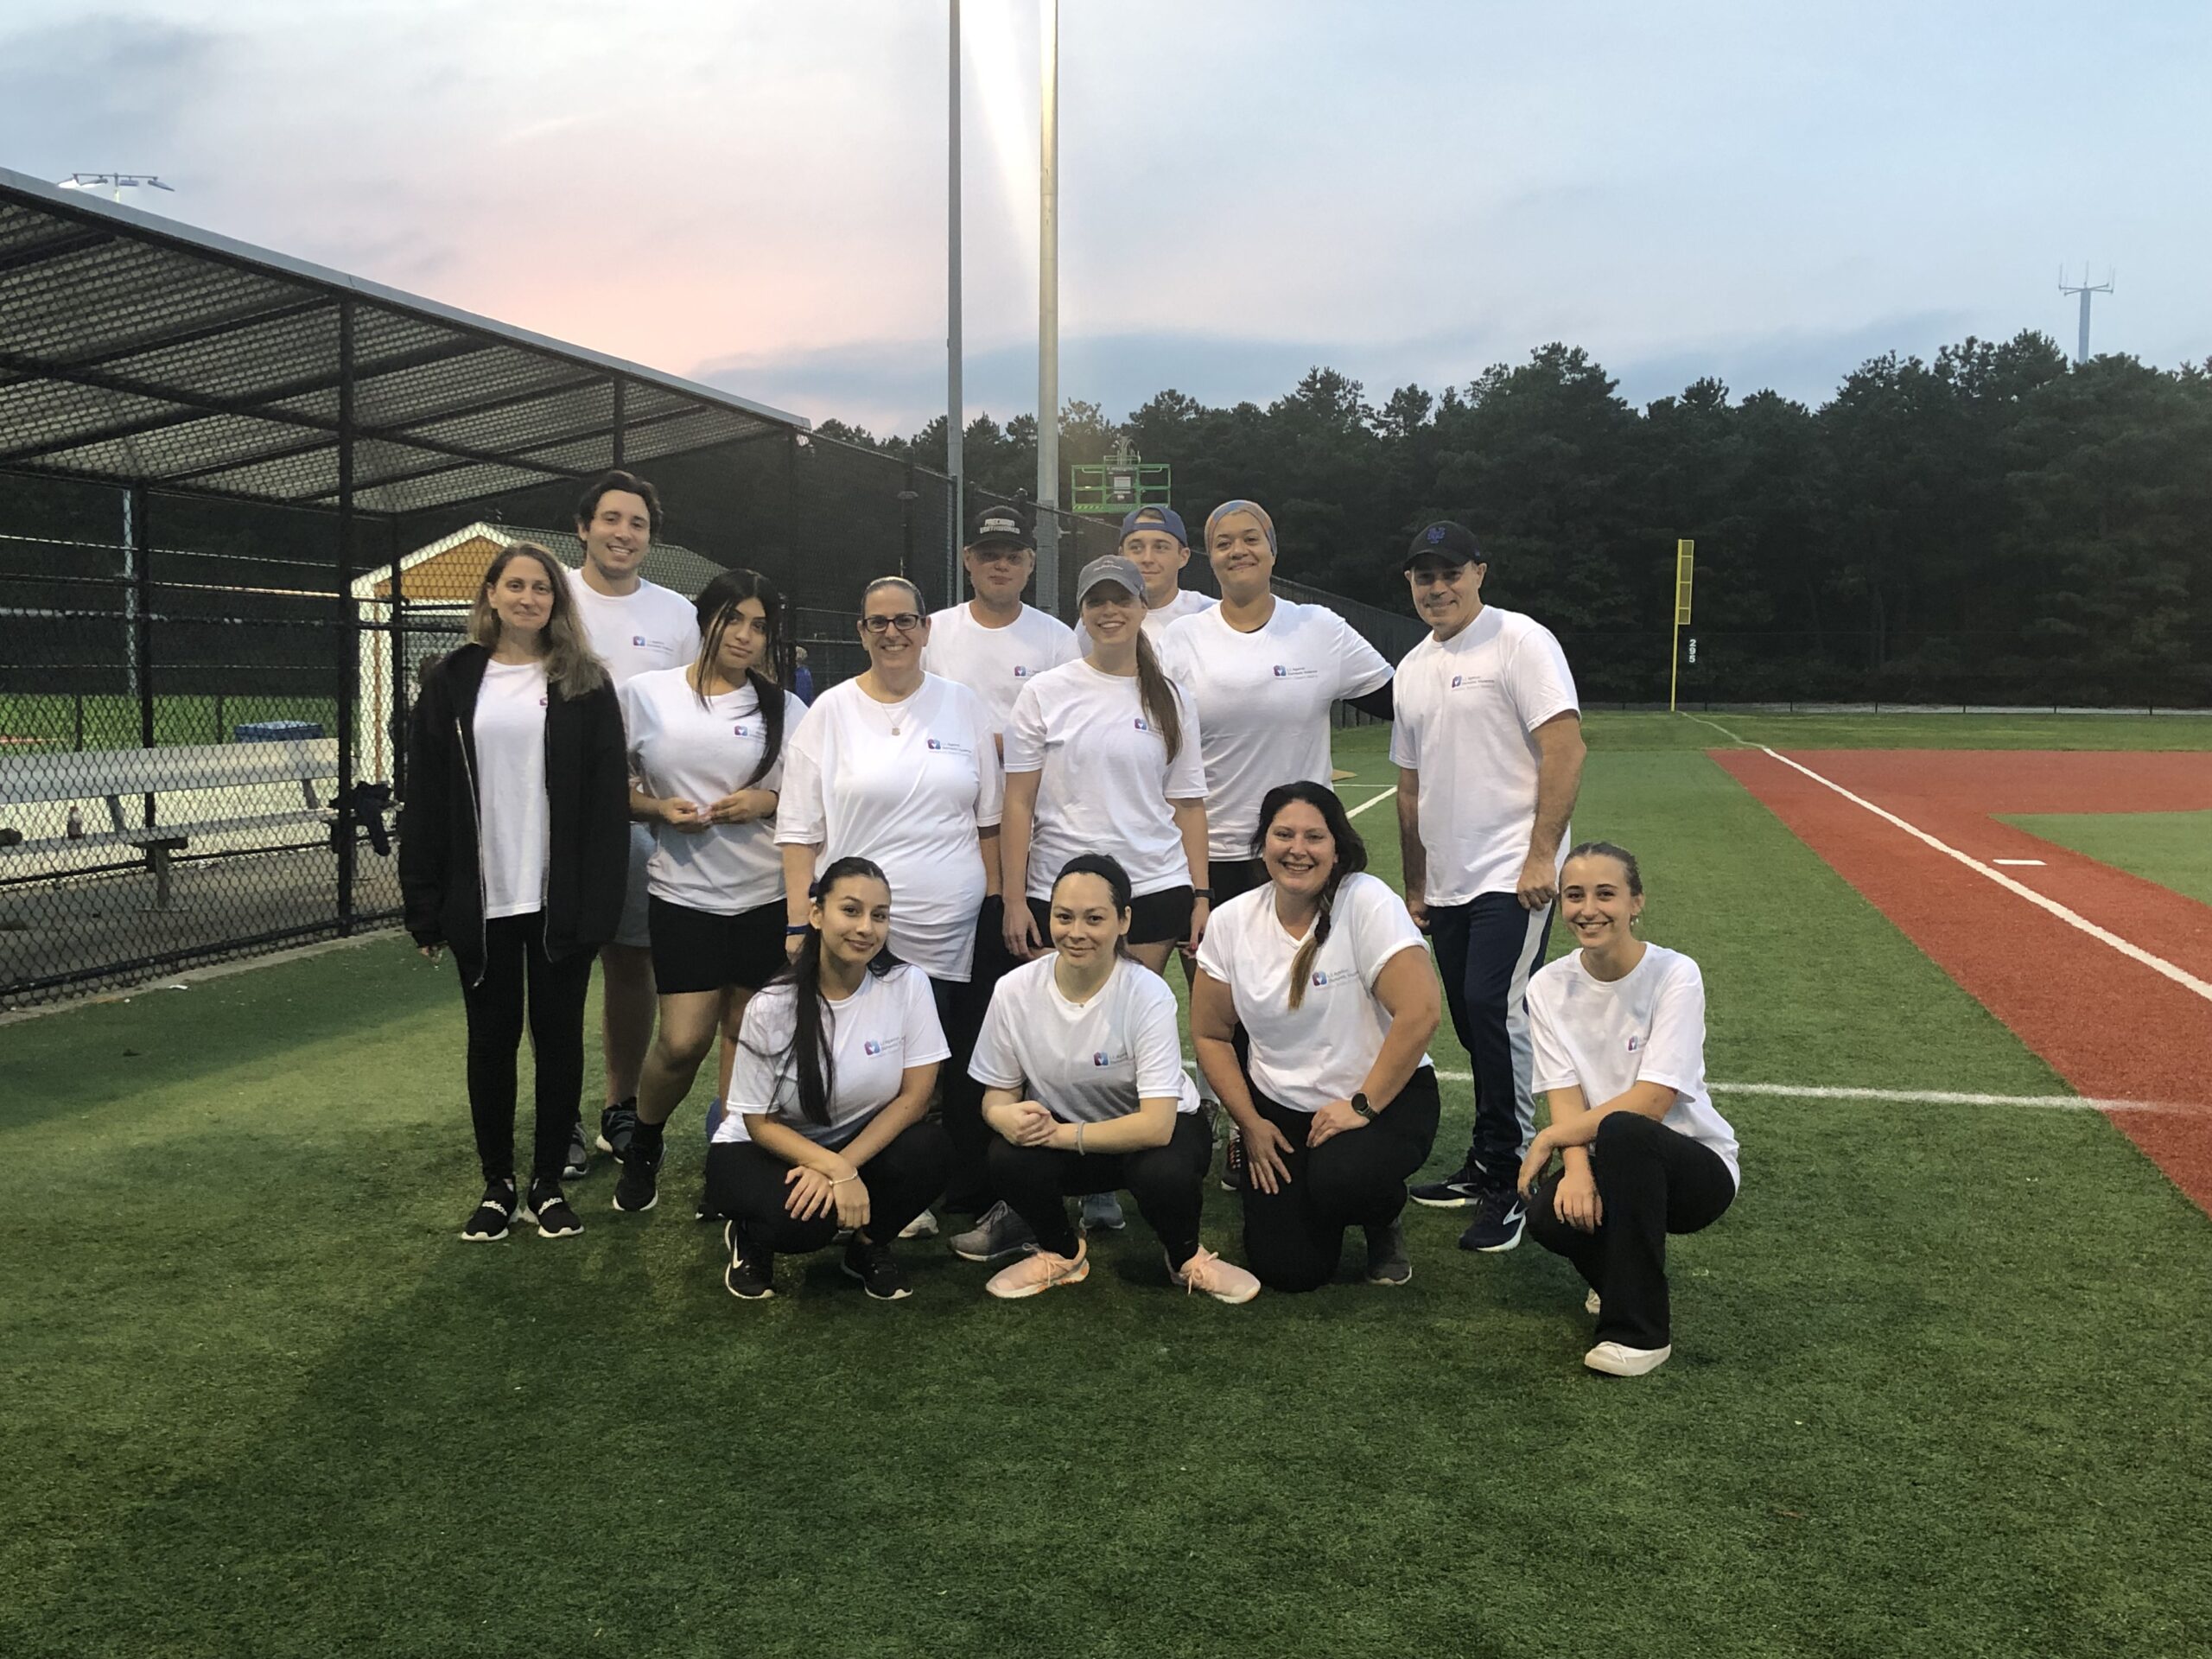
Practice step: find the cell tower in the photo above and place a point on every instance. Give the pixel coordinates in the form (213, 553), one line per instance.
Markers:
(2082, 287)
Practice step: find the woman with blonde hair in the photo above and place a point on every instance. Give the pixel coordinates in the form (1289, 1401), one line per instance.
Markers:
(513, 852)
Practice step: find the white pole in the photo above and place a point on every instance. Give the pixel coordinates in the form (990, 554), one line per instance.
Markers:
(1048, 321)
(955, 402)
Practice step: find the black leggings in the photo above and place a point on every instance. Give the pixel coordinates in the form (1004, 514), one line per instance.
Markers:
(1294, 1235)
(1652, 1181)
(960, 1010)
(1168, 1183)
(749, 1186)
(516, 970)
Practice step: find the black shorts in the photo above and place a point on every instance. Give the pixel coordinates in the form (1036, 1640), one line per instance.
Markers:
(698, 951)
(1162, 918)
(1232, 878)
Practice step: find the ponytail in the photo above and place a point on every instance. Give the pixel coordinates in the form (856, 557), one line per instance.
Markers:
(1156, 693)
(809, 1060)
(1316, 936)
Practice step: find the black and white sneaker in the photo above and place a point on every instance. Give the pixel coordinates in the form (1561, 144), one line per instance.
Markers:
(880, 1274)
(493, 1215)
(637, 1187)
(1232, 1164)
(578, 1163)
(549, 1209)
(1461, 1189)
(751, 1275)
(1497, 1223)
(1387, 1261)
(616, 1125)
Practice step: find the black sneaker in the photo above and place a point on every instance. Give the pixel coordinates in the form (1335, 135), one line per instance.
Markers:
(616, 1125)
(493, 1215)
(548, 1209)
(1386, 1261)
(751, 1274)
(1498, 1224)
(637, 1187)
(578, 1164)
(1461, 1189)
(1232, 1164)
(879, 1273)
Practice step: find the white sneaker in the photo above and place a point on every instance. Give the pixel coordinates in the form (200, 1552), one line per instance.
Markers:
(1592, 1306)
(922, 1226)
(1615, 1360)
(1222, 1280)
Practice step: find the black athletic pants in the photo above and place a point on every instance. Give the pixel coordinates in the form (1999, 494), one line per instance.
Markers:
(1652, 1181)
(1294, 1235)
(1167, 1182)
(960, 1010)
(1485, 951)
(1232, 878)
(517, 972)
(750, 1187)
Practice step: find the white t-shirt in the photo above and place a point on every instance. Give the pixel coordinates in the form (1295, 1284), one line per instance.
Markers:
(1467, 713)
(1106, 779)
(1305, 1056)
(912, 802)
(873, 1036)
(1087, 1063)
(509, 732)
(634, 633)
(679, 748)
(1264, 697)
(996, 663)
(1185, 603)
(1646, 1027)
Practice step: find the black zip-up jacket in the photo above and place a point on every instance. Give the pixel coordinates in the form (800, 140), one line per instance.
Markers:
(441, 830)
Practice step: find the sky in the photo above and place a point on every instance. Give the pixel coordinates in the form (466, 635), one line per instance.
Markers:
(752, 193)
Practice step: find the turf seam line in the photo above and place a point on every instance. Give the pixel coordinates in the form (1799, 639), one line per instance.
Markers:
(2127, 948)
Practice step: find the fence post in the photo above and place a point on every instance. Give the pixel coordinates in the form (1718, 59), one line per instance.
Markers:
(142, 550)
(618, 417)
(403, 673)
(348, 642)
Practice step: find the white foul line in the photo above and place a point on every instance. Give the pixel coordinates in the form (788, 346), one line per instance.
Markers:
(2180, 976)
(1377, 801)
(1919, 1097)
(2019, 863)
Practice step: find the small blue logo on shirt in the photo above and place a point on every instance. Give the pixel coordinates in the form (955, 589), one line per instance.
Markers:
(1635, 1043)
(637, 638)
(1140, 725)
(1458, 680)
(1324, 979)
(1281, 673)
(871, 1048)
(741, 729)
(1102, 1058)
(1019, 672)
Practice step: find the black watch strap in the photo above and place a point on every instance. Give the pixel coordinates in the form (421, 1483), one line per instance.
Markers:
(1359, 1105)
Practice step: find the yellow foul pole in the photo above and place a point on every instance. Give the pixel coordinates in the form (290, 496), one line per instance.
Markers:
(1684, 555)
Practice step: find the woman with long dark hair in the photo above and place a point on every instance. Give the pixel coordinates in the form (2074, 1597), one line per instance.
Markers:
(1336, 1102)
(706, 754)
(513, 852)
(1083, 1082)
(1103, 754)
(835, 1059)
(1619, 1033)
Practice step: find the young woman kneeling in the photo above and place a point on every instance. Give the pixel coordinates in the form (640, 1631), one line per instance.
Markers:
(1324, 970)
(1619, 1033)
(836, 1059)
(1083, 1080)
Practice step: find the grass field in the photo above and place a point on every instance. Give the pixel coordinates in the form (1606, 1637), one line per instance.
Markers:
(1939, 1384)
(2172, 849)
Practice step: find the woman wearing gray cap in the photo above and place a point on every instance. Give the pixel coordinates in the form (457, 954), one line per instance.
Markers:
(1103, 756)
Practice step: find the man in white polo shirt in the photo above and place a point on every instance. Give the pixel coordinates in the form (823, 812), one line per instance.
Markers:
(1153, 539)
(634, 625)
(1488, 743)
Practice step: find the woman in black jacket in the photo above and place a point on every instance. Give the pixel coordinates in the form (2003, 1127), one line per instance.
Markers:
(513, 851)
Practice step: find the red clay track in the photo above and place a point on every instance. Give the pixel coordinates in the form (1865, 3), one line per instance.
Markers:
(2113, 1027)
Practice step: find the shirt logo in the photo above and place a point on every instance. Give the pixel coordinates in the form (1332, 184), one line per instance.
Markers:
(740, 730)
(540, 703)
(1324, 979)
(1019, 672)
(946, 745)
(1101, 1058)
(637, 638)
(1635, 1043)
(1139, 723)
(871, 1048)
(1295, 671)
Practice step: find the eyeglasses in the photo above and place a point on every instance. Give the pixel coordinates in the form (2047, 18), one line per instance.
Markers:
(904, 622)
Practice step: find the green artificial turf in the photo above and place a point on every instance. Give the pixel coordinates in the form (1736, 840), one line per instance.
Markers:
(2172, 849)
(1938, 1386)
(1904, 731)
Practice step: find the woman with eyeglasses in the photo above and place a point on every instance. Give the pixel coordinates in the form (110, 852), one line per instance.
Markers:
(897, 767)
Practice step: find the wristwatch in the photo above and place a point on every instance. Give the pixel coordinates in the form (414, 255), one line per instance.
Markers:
(1205, 894)
(1359, 1105)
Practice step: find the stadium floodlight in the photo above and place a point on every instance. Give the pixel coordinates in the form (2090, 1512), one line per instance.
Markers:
(113, 185)
(2084, 288)
(1048, 314)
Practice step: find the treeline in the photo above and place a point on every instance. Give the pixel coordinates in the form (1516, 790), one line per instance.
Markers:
(1993, 526)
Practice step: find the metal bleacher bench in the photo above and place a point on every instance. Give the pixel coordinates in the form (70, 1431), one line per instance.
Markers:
(111, 774)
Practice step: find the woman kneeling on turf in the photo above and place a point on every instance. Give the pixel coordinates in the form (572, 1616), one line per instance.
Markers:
(1083, 1081)
(836, 1059)
(1621, 1023)
(1326, 972)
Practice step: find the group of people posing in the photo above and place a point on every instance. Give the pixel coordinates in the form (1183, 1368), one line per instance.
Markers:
(927, 919)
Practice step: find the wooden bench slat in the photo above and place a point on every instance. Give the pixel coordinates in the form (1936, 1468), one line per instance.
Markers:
(88, 774)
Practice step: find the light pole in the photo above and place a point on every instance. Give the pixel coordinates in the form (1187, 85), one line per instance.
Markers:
(955, 402)
(1048, 321)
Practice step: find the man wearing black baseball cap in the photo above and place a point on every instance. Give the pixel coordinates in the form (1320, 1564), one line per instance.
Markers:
(1488, 743)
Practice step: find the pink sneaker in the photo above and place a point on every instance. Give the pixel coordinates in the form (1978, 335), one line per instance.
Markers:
(1041, 1270)
(1222, 1280)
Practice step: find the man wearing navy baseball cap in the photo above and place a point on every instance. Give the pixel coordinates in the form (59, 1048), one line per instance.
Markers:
(1488, 743)
(1153, 539)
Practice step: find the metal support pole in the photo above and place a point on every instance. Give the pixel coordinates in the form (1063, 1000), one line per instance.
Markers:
(621, 398)
(348, 643)
(402, 670)
(1048, 323)
(141, 593)
(907, 496)
(956, 402)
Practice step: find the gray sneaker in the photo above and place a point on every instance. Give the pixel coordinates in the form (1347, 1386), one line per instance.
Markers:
(998, 1231)
(1386, 1261)
(1102, 1213)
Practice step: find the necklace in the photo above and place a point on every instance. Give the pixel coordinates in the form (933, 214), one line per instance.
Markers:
(895, 712)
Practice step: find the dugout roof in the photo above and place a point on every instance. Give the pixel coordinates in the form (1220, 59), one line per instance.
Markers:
(137, 350)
